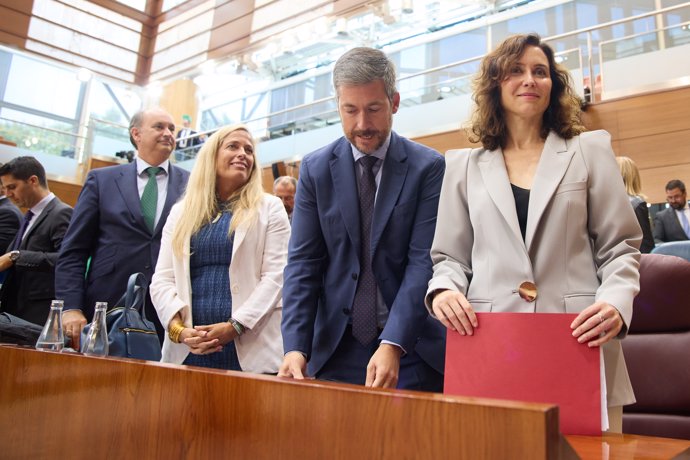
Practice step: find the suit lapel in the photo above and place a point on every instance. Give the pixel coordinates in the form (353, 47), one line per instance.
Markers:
(345, 187)
(41, 217)
(495, 177)
(552, 166)
(127, 185)
(176, 188)
(392, 180)
(238, 238)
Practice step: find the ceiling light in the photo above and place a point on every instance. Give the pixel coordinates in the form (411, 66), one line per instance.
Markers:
(341, 26)
(84, 75)
(154, 89)
(407, 7)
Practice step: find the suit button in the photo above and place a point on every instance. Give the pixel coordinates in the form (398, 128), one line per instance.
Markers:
(235, 289)
(147, 267)
(528, 291)
(354, 276)
(346, 311)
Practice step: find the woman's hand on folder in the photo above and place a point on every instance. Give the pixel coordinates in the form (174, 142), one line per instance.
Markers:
(454, 311)
(597, 324)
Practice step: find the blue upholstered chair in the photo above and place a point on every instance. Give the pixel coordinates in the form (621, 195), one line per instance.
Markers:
(674, 248)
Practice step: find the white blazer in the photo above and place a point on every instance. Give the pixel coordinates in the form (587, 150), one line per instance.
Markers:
(581, 242)
(259, 254)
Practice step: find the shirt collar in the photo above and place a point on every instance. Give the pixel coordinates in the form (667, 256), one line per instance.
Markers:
(41, 205)
(142, 165)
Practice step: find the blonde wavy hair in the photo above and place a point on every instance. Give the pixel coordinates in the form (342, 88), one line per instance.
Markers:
(200, 203)
(631, 177)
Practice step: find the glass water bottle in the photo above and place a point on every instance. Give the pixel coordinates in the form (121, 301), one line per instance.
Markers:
(52, 337)
(96, 341)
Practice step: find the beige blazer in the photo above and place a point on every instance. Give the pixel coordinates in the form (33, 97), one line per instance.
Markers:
(259, 255)
(581, 242)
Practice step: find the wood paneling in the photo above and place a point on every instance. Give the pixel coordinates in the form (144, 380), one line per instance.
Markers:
(180, 98)
(21, 6)
(14, 23)
(67, 191)
(113, 408)
(446, 141)
(60, 405)
(653, 130)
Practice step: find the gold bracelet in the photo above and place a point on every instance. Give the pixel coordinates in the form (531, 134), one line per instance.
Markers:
(174, 332)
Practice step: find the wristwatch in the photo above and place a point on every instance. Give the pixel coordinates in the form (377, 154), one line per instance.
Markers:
(14, 255)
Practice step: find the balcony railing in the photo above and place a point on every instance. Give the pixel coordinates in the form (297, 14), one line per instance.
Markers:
(588, 58)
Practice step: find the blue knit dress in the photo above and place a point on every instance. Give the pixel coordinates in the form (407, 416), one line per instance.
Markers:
(211, 300)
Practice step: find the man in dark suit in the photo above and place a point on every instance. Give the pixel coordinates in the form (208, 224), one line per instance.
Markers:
(30, 263)
(671, 224)
(10, 219)
(186, 145)
(118, 221)
(358, 258)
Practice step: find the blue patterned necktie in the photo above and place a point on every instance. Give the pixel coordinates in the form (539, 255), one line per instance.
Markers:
(364, 326)
(149, 199)
(22, 229)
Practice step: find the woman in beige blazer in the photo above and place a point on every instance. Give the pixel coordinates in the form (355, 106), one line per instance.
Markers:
(219, 276)
(537, 219)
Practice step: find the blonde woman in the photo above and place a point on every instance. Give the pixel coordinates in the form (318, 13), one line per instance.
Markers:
(218, 281)
(633, 186)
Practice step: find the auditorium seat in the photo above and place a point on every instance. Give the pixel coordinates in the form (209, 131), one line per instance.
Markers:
(657, 350)
(674, 248)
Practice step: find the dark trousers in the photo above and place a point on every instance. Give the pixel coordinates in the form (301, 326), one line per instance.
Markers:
(348, 364)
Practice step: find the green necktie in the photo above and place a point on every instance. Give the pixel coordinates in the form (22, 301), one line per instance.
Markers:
(149, 199)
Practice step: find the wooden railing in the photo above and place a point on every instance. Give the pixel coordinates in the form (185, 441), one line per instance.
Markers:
(60, 405)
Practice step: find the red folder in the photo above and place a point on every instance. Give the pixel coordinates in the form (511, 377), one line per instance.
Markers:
(528, 357)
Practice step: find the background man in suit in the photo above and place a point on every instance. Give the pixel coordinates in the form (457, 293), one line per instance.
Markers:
(10, 219)
(185, 144)
(284, 188)
(671, 224)
(358, 258)
(30, 263)
(118, 221)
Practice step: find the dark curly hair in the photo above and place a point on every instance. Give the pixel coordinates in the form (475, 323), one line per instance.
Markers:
(488, 122)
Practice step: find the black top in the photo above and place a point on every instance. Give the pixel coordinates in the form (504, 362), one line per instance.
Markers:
(521, 206)
(642, 213)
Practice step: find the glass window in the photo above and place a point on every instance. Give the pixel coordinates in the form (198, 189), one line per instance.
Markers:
(78, 60)
(82, 24)
(42, 87)
(170, 4)
(37, 133)
(82, 45)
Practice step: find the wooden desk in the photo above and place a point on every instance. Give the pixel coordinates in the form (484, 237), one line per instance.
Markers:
(72, 406)
(628, 447)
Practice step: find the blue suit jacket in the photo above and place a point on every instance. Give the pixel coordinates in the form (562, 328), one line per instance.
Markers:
(323, 255)
(108, 226)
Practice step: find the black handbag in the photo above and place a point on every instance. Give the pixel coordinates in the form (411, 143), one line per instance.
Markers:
(130, 334)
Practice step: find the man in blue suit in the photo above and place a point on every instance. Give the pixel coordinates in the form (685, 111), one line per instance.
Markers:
(118, 222)
(358, 258)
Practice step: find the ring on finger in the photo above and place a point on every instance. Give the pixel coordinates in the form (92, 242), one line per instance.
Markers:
(601, 317)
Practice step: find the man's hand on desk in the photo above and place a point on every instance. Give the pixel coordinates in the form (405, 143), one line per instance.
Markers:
(294, 366)
(384, 367)
(73, 321)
